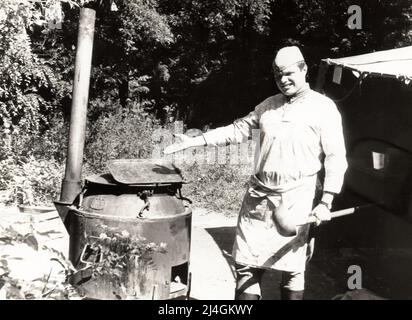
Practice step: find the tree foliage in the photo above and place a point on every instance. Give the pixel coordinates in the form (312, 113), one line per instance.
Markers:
(27, 81)
(182, 58)
(204, 62)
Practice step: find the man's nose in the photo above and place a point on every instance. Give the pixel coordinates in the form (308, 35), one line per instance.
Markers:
(284, 79)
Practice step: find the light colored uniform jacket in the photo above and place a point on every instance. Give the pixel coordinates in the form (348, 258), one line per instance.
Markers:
(297, 137)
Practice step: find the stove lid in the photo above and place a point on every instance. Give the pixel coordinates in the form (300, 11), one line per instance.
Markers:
(144, 171)
(105, 178)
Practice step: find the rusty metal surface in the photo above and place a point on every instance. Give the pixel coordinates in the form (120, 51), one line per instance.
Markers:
(141, 198)
(139, 280)
(144, 171)
(129, 205)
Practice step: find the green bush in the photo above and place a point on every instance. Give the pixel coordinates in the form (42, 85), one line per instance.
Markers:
(31, 165)
(216, 187)
(33, 182)
(126, 133)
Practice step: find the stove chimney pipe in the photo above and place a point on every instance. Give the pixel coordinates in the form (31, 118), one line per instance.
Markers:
(71, 185)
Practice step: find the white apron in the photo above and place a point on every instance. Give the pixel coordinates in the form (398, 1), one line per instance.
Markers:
(258, 241)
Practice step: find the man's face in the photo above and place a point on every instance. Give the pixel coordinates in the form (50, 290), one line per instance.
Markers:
(291, 79)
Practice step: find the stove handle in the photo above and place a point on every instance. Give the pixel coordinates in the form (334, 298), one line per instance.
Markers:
(186, 199)
(145, 197)
(146, 206)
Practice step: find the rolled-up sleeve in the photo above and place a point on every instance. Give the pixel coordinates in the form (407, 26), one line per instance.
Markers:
(237, 132)
(333, 145)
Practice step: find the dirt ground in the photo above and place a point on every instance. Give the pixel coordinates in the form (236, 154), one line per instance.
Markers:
(374, 240)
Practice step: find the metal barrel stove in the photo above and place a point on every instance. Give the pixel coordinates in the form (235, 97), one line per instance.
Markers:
(130, 232)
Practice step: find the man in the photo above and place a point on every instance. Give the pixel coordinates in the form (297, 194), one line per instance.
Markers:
(300, 130)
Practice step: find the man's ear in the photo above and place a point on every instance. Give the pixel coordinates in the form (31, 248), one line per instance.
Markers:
(305, 69)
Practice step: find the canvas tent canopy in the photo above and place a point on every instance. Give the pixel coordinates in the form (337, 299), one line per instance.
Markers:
(394, 63)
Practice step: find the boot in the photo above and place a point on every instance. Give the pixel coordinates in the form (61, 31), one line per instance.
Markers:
(246, 296)
(291, 295)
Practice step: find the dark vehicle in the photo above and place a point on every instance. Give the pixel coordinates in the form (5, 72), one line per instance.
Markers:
(374, 95)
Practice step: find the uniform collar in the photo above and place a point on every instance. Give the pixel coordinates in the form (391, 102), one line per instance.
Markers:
(299, 95)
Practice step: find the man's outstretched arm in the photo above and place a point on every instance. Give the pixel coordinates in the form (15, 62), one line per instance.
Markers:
(185, 143)
(237, 132)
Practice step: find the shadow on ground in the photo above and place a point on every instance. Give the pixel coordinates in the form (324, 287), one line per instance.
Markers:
(224, 238)
(351, 241)
(319, 286)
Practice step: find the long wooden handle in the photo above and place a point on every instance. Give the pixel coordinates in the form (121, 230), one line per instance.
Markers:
(339, 213)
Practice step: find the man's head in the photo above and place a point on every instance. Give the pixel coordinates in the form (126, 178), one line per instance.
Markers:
(290, 70)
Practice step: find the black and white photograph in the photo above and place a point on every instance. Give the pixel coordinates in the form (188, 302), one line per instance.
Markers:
(225, 151)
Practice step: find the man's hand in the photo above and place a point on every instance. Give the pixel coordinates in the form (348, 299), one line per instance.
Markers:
(183, 144)
(322, 213)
